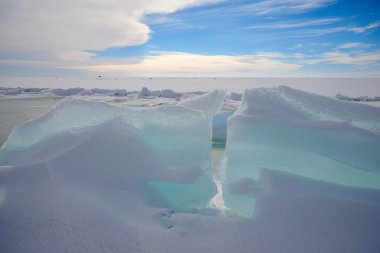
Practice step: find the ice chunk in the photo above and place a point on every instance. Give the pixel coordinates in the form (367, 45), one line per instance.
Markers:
(102, 91)
(145, 92)
(170, 132)
(208, 103)
(155, 93)
(168, 93)
(67, 92)
(13, 91)
(301, 133)
(121, 92)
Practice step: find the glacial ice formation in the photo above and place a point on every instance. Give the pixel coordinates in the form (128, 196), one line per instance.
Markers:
(304, 134)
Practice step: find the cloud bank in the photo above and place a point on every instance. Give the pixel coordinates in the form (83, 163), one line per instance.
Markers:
(183, 64)
(62, 30)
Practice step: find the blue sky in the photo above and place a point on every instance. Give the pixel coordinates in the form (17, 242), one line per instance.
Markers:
(326, 38)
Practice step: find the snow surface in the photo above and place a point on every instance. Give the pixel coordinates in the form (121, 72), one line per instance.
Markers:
(93, 177)
(300, 133)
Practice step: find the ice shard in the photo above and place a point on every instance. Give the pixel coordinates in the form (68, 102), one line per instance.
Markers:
(304, 134)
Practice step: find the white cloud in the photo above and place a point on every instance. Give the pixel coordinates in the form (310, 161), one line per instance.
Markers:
(297, 46)
(183, 64)
(354, 45)
(298, 56)
(357, 59)
(362, 29)
(296, 24)
(350, 28)
(268, 7)
(55, 29)
(271, 55)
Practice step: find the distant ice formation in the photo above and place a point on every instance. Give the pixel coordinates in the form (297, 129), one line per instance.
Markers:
(235, 96)
(145, 92)
(357, 99)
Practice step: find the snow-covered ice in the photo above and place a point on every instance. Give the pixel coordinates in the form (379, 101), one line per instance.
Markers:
(300, 133)
(169, 131)
(208, 103)
(89, 176)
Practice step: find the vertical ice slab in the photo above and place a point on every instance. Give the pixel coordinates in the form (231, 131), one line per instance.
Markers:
(208, 103)
(309, 135)
(178, 140)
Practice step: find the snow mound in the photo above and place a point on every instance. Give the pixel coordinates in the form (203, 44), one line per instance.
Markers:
(309, 135)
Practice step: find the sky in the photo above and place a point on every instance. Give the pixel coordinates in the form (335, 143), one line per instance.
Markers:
(262, 38)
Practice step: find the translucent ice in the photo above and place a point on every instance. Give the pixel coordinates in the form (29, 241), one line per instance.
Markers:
(309, 135)
(208, 103)
(176, 139)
